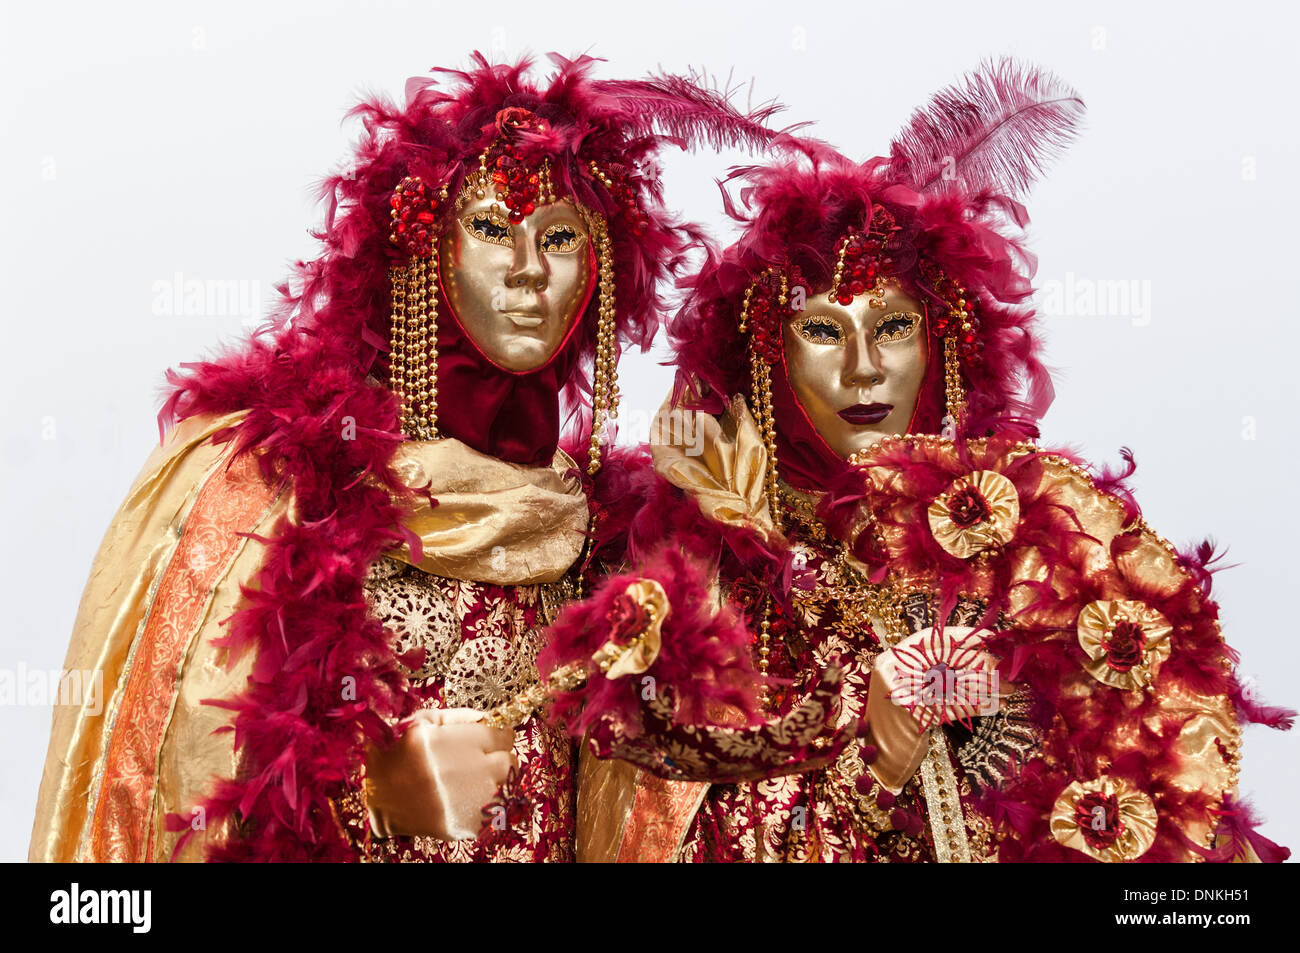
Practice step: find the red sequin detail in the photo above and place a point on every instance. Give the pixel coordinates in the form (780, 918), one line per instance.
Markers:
(866, 256)
(621, 188)
(767, 315)
(413, 217)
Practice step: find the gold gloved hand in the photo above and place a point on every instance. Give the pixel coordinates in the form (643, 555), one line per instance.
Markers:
(437, 777)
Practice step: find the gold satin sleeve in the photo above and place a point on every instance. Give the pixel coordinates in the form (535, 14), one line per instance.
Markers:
(166, 574)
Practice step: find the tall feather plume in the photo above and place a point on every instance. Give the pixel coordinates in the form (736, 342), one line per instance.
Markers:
(995, 130)
(695, 109)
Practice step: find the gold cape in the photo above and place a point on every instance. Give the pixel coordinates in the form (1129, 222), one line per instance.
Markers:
(168, 571)
(168, 574)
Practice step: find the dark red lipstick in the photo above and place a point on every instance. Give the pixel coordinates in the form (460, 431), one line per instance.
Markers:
(864, 414)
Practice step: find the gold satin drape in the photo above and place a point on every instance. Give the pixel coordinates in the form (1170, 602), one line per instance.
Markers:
(494, 522)
(166, 574)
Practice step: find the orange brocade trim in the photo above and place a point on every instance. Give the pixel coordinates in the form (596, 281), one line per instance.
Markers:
(661, 815)
(121, 828)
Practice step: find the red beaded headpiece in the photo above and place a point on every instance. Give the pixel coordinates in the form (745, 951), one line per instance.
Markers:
(864, 263)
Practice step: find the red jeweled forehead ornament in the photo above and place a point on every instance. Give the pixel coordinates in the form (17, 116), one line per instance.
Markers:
(515, 174)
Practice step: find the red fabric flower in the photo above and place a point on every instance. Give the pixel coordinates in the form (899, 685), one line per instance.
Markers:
(1125, 645)
(1097, 815)
(627, 618)
(967, 507)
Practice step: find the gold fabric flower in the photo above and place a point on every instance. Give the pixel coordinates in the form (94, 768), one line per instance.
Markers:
(1106, 819)
(1126, 642)
(636, 621)
(977, 512)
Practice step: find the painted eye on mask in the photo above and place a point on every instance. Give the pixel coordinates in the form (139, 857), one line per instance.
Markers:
(561, 238)
(489, 227)
(897, 326)
(819, 331)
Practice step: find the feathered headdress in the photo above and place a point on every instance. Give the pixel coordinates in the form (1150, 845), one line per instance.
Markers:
(934, 215)
(338, 303)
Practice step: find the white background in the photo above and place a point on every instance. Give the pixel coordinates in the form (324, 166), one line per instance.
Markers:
(145, 140)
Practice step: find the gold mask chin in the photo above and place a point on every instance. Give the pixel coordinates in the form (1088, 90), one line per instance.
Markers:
(857, 370)
(516, 288)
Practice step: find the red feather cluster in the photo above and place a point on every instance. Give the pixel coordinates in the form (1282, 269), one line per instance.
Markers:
(704, 659)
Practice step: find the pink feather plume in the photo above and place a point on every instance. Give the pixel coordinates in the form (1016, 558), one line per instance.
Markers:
(996, 130)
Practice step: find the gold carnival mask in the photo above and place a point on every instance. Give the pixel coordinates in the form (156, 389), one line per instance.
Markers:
(517, 288)
(857, 368)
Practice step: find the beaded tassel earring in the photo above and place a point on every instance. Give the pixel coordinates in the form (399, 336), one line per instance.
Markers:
(413, 330)
(958, 326)
(763, 321)
(954, 392)
(604, 397)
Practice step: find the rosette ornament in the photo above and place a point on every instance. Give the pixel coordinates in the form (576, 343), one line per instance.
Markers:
(1126, 642)
(1106, 819)
(942, 676)
(636, 621)
(978, 512)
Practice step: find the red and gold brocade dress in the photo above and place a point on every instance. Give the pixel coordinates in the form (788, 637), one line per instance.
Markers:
(1116, 737)
(474, 645)
(835, 813)
(467, 616)
(841, 813)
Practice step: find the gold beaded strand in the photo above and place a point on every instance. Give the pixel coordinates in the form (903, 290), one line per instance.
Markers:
(604, 397)
(760, 373)
(397, 340)
(413, 345)
(954, 393)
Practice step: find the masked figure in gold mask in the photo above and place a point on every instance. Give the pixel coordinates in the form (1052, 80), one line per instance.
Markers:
(341, 556)
(848, 463)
